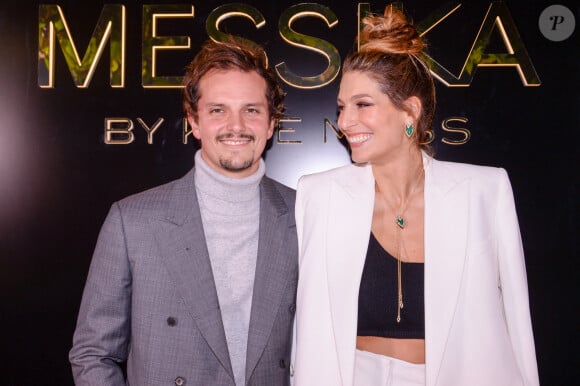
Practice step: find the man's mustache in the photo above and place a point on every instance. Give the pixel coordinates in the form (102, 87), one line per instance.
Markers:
(235, 136)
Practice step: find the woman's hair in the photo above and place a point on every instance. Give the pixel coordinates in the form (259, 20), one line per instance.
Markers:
(231, 54)
(390, 54)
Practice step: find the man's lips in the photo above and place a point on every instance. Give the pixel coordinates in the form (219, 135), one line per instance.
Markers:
(235, 139)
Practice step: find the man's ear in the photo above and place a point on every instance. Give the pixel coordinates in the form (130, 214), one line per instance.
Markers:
(194, 126)
(273, 124)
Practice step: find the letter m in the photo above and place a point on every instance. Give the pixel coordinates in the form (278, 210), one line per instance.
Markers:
(52, 28)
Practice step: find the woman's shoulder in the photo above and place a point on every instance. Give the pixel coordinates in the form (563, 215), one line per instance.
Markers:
(339, 174)
(466, 170)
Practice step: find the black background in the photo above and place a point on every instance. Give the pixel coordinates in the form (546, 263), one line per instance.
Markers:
(58, 177)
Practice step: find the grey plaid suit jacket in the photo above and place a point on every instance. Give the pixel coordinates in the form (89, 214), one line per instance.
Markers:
(150, 298)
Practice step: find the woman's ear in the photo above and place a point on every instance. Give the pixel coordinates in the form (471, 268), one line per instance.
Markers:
(414, 107)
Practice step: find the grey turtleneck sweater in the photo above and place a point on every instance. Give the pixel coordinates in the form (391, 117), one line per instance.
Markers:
(230, 212)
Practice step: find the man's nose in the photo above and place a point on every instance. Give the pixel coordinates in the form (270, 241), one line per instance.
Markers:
(236, 122)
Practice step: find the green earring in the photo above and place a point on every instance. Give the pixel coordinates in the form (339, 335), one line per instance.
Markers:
(409, 129)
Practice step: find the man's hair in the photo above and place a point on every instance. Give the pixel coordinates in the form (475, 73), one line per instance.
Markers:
(231, 54)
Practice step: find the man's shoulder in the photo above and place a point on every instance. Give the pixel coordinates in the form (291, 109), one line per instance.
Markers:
(278, 192)
(278, 186)
(159, 197)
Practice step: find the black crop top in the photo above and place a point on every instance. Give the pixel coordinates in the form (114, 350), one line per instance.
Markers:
(377, 299)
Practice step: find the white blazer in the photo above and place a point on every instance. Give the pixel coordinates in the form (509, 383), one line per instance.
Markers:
(477, 323)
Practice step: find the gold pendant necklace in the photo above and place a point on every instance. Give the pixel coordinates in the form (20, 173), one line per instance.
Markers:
(401, 223)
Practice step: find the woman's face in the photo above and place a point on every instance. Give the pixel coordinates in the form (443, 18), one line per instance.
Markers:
(373, 126)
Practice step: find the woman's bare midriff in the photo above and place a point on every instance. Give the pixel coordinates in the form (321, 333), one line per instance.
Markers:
(409, 350)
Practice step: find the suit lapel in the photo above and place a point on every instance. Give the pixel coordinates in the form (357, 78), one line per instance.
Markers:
(446, 215)
(183, 248)
(274, 269)
(349, 225)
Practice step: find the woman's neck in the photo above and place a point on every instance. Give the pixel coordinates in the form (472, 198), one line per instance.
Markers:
(400, 177)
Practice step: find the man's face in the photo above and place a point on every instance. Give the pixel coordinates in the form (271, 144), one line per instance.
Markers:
(233, 121)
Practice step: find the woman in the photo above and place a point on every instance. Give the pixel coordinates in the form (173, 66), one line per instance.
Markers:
(411, 269)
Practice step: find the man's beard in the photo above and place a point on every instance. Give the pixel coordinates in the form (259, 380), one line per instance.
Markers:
(231, 165)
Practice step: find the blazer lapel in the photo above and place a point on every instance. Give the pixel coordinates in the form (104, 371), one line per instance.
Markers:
(274, 269)
(183, 248)
(446, 214)
(349, 226)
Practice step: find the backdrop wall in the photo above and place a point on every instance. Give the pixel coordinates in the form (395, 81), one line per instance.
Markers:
(76, 136)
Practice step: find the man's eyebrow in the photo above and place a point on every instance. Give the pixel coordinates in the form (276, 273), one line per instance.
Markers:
(219, 104)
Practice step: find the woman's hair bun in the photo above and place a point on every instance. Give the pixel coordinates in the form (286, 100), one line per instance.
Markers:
(390, 33)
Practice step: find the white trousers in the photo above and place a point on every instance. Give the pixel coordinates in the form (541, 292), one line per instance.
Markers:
(380, 370)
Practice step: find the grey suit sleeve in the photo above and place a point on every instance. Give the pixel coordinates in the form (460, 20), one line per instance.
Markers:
(100, 341)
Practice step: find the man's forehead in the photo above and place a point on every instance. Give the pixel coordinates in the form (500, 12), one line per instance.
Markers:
(218, 103)
(241, 89)
(218, 73)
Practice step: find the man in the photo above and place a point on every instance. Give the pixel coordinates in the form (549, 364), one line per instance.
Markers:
(194, 282)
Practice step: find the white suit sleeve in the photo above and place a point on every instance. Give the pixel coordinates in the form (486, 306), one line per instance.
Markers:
(513, 282)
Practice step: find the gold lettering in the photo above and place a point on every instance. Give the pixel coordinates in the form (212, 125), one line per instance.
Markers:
(227, 11)
(152, 42)
(465, 132)
(119, 131)
(287, 130)
(437, 70)
(150, 130)
(429, 137)
(363, 10)
(187, 131)
(328, 122)
(497, 16)
(310, 43)
(52, 26)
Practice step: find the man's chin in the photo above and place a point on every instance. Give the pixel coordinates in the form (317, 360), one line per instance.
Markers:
(236, 166)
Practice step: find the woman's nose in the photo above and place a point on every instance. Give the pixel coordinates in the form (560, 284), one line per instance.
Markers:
(345, 119)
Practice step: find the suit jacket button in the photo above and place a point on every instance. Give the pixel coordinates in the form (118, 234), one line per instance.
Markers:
(282, 364)
(292, 308)
(171, 321)
(179, 381)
